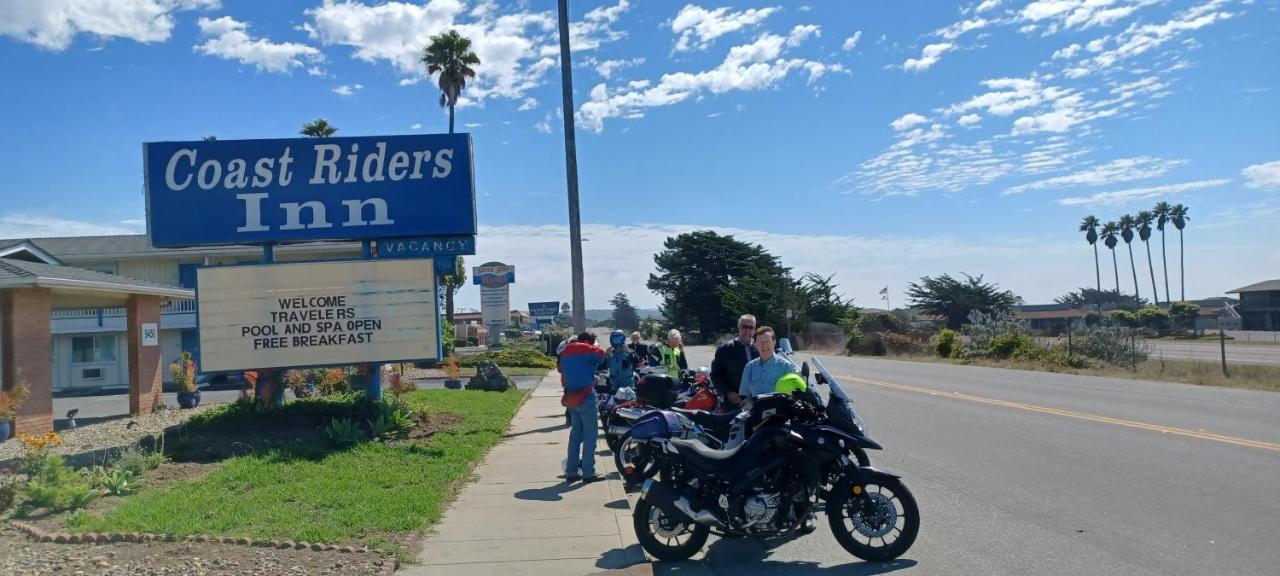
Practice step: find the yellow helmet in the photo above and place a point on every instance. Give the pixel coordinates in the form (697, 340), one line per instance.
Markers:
(790, 383)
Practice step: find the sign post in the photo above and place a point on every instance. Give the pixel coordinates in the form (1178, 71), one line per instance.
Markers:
(494, 279)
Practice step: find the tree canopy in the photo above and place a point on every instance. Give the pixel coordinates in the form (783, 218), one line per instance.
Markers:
(954, 299)
(625, 316)
(318, 128)
(1091, 297)
(695, 267)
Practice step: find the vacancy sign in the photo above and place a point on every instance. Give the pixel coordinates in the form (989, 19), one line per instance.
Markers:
(317, 314)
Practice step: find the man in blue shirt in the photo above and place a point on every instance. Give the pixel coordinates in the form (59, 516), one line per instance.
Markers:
(762, 374)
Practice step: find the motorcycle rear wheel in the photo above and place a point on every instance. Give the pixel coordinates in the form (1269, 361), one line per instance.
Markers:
(660, 536)
(644, 465)
(883, 509)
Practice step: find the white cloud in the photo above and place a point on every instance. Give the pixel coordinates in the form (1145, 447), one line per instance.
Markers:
(928, 57)
(1264, 176)
(698, 27)
(907, 121)
(606, 68)
(801, 33)
(516, 49)
(1141, 39)
(969, 120)
(474, 124)
(229, 39)
(315, 71)
(851, 42)
(1068, 52)
(755, 66)
(53, 24)
(415, 126)
(1081, 14)
(528, 104)
(1116, 171)
(1136, 194)
(348, 89)
(986, 5)
(19, 225)
(961, 28)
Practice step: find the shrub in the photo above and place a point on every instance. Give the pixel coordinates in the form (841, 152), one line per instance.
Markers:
(8, 493)
(1124, 318)
(1153, 318)
(138, 461)
(878, 322)
(901, 343)
(50, 483)
(298, 381)
(183, 373)
(12, 400)
(115, 481)
(1109, 345)
(1182, 315)
(1011, 344)
(511, 358)
(948, 343)
(343, 432)
(332, 380)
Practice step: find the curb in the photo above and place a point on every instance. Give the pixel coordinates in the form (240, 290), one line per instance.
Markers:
(40, 535)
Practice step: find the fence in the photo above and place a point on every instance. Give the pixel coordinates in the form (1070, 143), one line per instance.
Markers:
(1222, 350)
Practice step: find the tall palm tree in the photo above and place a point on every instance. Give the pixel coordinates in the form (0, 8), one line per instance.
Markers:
(1161, 212)
(318, 128)
(1110, 230)
(450, 55)
(1127, 223)
(1178, 215)
(1144, 220)
(1090, 228)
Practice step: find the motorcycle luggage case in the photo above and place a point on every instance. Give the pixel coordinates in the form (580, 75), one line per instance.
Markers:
(657, 390)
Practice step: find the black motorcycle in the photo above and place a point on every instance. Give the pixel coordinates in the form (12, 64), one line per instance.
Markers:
(794, 464)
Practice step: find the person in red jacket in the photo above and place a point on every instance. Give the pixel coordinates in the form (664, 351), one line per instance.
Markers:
(578, 365)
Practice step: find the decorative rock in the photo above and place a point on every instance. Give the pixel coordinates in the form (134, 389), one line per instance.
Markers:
(117, 537)
(170, 538)
(60, 539)
(243, 541)
(317, 547)
(46, 538)
(228, 540)
(285, 545)
(302, 545)
(346, 549)
(73, 539)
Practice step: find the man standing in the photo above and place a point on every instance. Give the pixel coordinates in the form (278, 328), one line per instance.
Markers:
(731, 357)
(621, 362)
(761, 375)
(578, 365)
(671, 354)
(640, 349)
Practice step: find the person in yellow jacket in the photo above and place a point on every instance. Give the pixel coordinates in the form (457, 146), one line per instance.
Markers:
(671, 353)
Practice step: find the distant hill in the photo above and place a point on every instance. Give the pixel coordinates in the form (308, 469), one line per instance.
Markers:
(596, 315)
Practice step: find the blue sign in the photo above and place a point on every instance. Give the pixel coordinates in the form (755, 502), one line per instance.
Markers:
(300, 189)
(426, 247)
(544, 309)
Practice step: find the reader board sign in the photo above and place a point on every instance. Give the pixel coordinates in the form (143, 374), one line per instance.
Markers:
(543, 312)
(317, 314)
(494, 279)
(300, 189)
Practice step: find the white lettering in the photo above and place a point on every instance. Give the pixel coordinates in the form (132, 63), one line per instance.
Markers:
(173, 164)
(252, 212)
(399, 162)
(355, 209)
(208, 183)
(235, 175)
(419, 157)
(326, 159)
(285, 175)
(262, 172)
(352, 160)
(380, 156)
(293, 215)
(444, 163)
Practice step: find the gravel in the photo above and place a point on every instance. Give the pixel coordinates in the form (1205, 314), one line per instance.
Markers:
(109, 434)
(23, 556)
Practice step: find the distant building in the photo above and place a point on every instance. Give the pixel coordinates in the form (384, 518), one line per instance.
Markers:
(1259, 305)
(1056, 318)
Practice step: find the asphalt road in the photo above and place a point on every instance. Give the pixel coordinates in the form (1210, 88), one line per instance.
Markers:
(1036, 473)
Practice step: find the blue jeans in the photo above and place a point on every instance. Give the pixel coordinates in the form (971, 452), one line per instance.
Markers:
(583, 430)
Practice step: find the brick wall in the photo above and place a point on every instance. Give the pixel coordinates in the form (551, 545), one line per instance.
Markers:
(28, 355)
(145, 370)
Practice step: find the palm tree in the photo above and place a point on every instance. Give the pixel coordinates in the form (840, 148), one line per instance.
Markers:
(1161, 212)
(318, 128)
(1110, 230)
(450, 55)
(1178, 215)
(1144, 219)
(1127, 223)
(1090, 227)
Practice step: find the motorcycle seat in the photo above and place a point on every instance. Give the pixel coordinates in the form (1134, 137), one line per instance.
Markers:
(717, 424)
(700, 450)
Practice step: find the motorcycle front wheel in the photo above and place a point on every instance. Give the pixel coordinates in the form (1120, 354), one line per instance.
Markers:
(876, 521)
(664, 538)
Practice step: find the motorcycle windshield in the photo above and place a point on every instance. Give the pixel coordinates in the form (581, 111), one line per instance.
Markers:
(836, 390)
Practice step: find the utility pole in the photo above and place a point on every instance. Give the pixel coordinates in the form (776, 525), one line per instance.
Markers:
(571, 168)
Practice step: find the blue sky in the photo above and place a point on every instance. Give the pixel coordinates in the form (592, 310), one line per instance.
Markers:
(880, 141)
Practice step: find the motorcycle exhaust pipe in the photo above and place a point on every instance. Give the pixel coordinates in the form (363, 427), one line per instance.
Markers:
(616, 430)
(673, 504)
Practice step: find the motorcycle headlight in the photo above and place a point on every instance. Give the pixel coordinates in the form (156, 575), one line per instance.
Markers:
(624, 395)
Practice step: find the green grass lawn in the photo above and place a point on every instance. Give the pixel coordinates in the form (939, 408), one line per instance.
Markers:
(368, 494)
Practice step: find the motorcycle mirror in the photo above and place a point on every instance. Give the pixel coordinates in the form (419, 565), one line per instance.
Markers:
(804, 370)
(784, 345)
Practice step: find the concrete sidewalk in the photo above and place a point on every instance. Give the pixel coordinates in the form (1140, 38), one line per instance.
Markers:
(518, 517)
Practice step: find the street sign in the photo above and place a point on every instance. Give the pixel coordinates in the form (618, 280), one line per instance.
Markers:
(427, 247)
(298, 189)
(494, 279)
(317, 314)
(543, 312)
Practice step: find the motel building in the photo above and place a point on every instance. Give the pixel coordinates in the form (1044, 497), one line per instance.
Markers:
(89, 348)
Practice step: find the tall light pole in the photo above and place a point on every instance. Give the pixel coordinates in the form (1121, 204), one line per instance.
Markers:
(571, 168)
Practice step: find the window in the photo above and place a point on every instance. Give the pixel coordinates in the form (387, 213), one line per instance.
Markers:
(96, 348)
(91, 373)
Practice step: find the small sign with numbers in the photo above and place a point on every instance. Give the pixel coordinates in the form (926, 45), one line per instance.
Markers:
(150, 334)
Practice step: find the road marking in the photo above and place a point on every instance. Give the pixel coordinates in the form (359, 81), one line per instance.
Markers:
(1202, 435)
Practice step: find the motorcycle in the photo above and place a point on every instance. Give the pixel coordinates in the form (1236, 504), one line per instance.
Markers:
(794, 463)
